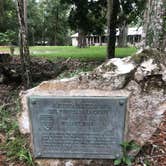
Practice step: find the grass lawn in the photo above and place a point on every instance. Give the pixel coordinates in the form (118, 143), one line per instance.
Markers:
(95, 52)
(4, 49)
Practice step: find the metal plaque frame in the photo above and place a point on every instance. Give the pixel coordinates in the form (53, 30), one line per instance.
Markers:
(77, 127)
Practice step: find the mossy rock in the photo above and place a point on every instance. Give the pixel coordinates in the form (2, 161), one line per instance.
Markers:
(110, 67)
(157, 56)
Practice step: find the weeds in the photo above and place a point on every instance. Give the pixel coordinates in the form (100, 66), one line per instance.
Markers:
(16, 149)
(15, 146)
(69, 74)
(126, 159)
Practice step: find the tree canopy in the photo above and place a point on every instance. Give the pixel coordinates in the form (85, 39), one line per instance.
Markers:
(8, 22)
(87, 17)
(52, 22)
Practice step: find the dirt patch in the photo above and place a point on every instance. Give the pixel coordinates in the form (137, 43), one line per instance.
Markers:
(154, 151)
(43, 69)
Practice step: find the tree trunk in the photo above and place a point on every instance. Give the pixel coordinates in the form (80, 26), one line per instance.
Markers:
(113, 8)
(33, 36)
(163, 33)
(56, 26)
(81, 39)
(100, 40)
(1, 10)
(154, 34)
(123, 30)
(24, 48)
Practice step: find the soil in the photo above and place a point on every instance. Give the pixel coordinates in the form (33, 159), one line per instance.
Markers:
(153, 153)
(42, 69)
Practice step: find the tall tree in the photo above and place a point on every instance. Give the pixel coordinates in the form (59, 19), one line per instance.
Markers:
(34, 22)
(97, 16)
(113, 9)
(79, 19)
(120, 14)
(47, 21)
(86, 17)
(155, 24)
(56, 22)
(24, 49)
(130, 12)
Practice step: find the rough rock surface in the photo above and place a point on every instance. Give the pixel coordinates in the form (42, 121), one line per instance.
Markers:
(142, 78)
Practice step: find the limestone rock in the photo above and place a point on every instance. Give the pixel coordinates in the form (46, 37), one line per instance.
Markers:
(142, 78)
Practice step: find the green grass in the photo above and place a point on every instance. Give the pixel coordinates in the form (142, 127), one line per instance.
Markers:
(95, 52)
(4, 49)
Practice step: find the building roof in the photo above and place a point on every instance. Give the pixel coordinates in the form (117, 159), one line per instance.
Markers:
(74, 35)
(131, 32)
(135, 31)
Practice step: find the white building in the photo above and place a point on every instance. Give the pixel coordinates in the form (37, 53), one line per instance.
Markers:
(133, 37)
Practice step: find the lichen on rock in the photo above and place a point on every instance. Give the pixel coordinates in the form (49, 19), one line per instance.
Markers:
(157, 56)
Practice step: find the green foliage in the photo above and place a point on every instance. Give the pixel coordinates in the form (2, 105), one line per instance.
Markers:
(97, 16)
(88, 17)
(8, 22)
(8, 125)
(78, 13)
(69, 74)
(131, 11)
(147, 163)
(14, 145)
(17, 150)
(126, 159)
(7, 38)
(3, 38)
(47, 22)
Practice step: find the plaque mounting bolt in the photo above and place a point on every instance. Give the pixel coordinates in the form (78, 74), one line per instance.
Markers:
(34, 102)
(38, 154)
(117, 155)
(121, 102)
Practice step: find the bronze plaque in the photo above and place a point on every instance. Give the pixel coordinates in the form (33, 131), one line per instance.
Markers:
(77, 127)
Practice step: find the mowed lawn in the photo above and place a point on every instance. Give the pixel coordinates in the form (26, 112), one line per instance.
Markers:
(89, 53)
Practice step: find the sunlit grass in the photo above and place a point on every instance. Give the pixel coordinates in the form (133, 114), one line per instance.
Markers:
(89, 53)
(4, 49)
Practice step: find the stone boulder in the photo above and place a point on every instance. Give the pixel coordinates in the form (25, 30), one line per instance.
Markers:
(142, 78)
